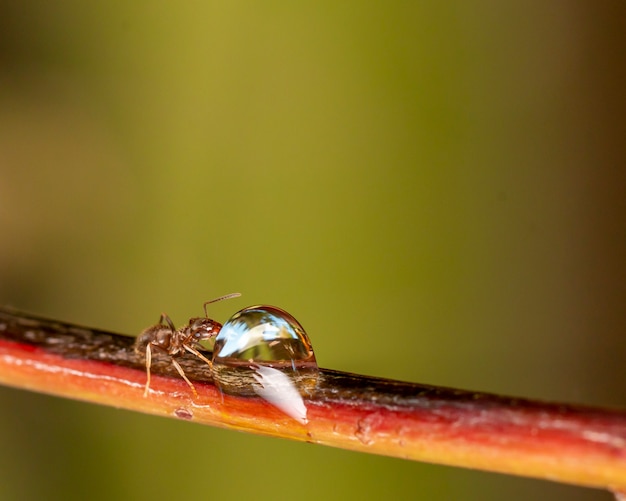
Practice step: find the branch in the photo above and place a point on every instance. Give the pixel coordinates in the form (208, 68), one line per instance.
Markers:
(567, 443)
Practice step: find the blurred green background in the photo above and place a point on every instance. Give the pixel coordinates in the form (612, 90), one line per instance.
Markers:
(436, 191)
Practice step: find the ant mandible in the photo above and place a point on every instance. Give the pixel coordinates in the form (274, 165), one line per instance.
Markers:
(164, 337)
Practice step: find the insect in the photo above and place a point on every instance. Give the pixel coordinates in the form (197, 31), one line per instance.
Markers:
(164, 337)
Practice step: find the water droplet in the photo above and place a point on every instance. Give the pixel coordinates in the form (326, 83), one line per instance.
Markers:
(264, 351)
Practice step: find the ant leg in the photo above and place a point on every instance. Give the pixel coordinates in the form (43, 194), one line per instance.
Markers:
(221, 298)
(199, 355)
(182, 374)
(148, 365)
(168, 320)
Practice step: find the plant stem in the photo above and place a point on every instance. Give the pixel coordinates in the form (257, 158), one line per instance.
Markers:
(567, 443)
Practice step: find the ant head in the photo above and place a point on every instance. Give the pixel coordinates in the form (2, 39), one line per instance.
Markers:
(203, 328)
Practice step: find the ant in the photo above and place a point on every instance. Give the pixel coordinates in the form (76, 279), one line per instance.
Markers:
(165, 337)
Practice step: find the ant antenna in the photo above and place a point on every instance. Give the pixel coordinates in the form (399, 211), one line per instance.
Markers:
(221, 298)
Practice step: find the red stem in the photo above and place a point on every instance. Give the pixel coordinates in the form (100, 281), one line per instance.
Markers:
(573, 444)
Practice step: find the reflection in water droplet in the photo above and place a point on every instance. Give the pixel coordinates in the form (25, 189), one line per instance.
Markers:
(264, 351)
(278, 389)
(620, 495)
